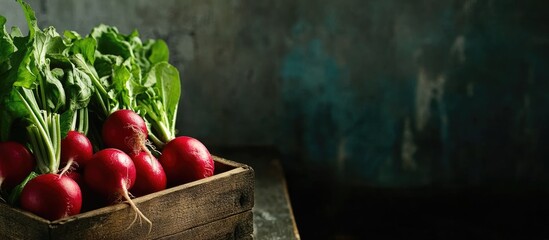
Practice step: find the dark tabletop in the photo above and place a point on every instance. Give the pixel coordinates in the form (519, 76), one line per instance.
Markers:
(273, 216)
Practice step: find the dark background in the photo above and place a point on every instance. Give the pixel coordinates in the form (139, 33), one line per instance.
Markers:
(392, 118)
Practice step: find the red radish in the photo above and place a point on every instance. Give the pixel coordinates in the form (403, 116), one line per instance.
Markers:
(125, 130)
(150, 174)
(111, 173)
(51, 196)
(75, 148)
(16, 163)
(186, 159)
(90, 200)
(76, 177)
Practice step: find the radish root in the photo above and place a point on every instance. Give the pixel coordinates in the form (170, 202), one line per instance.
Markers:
(150, 145)
(139, 143)
(70, 162)
(138, 213)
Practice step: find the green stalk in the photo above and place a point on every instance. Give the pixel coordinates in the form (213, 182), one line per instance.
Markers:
(165, 134)
(102, 103)
(80, 121)
(83, 120)
(159, 133)
(36, 117)
(156, 141)
(73, 121)
(55, 137)
(173, 123)
(38, 148)
(36, 92)
(30, 103)
(44, 133)
(42, 92)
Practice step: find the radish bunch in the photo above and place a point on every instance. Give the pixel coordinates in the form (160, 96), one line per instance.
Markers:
(99, 114)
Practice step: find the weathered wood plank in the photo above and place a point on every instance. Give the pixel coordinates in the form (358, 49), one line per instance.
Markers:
(13, 222)
(230, 191)
(239, 226)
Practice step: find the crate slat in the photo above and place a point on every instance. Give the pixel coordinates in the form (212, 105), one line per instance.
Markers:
(239, 226)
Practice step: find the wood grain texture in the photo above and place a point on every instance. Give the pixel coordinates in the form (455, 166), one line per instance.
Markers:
(15, 224)
(229, 192)
(239, 226)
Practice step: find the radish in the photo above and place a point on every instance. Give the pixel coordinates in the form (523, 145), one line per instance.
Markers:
(111, 173)
(125, 130)
(75, 148)
(150, 174)
(51, 196)
(90, 200)
(16, 163)
(76, 177)
(186, 159)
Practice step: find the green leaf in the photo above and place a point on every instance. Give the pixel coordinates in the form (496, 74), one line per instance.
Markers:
(16, 32)
(26, 72)
(11, 109)
(8, 100)
(31, 18)
(122, 87)
(54, 90)
(158, 52)
(110, 41)
(71, 36)
(60, 61)
(7, 48)
(86, 47)
(47, 43)
(139, 83)
(13, 198)
(66, 122)
(104, 65)
(104, 101)
(52, 40)
(51, 94)
(168, 87)
(79, 88)
(6, 43)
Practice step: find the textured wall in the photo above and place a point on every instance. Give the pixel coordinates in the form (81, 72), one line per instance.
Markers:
(420, 92)
(390, 93)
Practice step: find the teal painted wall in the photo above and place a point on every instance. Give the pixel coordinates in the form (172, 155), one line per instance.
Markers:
(400, 93)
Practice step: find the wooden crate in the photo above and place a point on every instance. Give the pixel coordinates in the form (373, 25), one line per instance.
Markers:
(217, 207)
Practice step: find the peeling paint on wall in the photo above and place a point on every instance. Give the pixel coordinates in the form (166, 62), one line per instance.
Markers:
(409, 147)
(428, 89)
